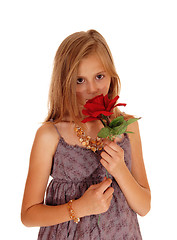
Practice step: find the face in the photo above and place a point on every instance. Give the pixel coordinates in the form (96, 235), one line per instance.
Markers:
(92, 79)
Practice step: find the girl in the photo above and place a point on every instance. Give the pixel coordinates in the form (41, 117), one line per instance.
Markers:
(79, 192)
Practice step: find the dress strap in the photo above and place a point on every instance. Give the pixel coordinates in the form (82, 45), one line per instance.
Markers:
(51, 120)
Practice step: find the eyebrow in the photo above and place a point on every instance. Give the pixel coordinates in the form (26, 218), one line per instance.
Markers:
(95, 74)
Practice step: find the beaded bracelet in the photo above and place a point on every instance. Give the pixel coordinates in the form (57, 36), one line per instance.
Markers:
(72, 213)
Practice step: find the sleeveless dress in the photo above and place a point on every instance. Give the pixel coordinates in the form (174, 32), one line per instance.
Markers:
(74, 170)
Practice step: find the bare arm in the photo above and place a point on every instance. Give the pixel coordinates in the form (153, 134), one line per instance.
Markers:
(133, 184)
(33, 212)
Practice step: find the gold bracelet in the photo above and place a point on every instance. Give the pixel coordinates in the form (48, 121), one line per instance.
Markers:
(72, 213)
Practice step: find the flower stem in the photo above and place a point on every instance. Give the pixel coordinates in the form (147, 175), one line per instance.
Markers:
(108, 121)
(106, 173)
(99, 219)
(103, 122)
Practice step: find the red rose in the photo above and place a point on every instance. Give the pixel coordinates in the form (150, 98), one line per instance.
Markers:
(99, 105)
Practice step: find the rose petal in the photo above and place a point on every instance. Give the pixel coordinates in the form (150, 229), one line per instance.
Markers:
(98, 100)
(85, 112)
(121, 104)
(99, 105)
(92, 107)
(106, 101)
(95, 114)
(112, 103)
(88, 119)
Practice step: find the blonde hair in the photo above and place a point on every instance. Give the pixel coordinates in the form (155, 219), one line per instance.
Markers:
(62, 101)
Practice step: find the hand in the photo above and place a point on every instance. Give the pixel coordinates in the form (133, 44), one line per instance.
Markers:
(97, 198)
(112, 157)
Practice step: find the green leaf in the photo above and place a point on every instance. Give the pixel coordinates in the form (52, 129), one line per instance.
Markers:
(120, 129)
(104, 132)
(116, 122)
(132, 120)
(129, 132)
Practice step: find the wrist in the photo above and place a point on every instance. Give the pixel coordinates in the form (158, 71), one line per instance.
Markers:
(79, 208)
(72, 213)
(120, 169)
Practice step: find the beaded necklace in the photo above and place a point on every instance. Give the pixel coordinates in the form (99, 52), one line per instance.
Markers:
(88, 142)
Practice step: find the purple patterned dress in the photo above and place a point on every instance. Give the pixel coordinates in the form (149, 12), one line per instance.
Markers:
(74, 170)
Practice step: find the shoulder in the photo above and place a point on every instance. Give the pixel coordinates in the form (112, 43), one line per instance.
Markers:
(136, 144)
(134, 127)
(46, 131)
(47, 136)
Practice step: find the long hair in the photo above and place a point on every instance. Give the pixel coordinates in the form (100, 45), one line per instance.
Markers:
(62, 100)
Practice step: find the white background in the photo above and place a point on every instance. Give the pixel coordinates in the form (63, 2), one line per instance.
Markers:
(143, 40)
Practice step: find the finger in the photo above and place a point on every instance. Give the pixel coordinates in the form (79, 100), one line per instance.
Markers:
(109, 150)
(109, 199)
(104, 185)
(109, 192)
(113, 145)
(106, 157)
(104, 163)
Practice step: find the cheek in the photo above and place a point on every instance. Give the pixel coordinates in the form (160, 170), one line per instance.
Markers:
(104, 90)
(80, 96)
(105, 87)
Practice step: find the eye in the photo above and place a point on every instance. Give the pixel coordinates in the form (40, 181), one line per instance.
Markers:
(100, 76)
(80, 80)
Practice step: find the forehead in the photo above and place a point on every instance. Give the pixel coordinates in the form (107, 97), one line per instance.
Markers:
(90, 63)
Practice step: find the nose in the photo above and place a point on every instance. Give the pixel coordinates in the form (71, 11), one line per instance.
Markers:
(92, 88)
